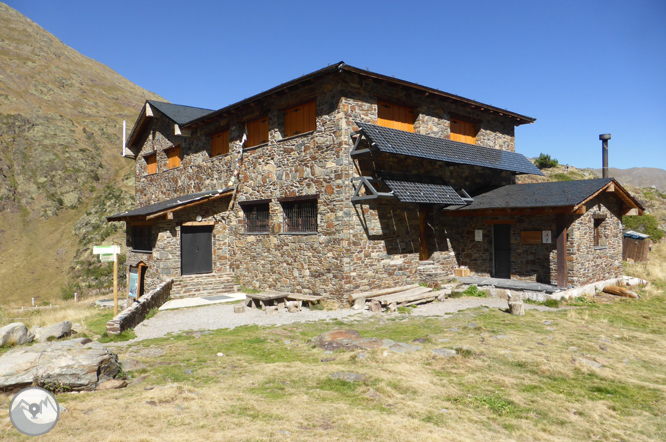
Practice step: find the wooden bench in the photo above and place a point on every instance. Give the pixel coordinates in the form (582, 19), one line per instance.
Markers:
(408, 297)
(271, 297)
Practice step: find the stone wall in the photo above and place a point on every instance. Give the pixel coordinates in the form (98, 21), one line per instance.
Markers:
(137, 311)
(590, 263)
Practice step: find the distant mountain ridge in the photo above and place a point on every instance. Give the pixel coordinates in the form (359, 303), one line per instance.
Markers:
(60, 140)
(638, 176)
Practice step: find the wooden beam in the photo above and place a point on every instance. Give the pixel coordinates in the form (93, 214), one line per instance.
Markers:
(581, 211)
(149, 111)
(562, 268)
(199, 223)
(631, 211)
(185, 206)
(512, 212)
(611, 187)
(169, 215)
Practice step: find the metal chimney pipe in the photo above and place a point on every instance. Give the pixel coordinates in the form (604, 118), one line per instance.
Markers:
(604, 154)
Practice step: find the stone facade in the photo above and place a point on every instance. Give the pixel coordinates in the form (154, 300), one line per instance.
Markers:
(356, 247)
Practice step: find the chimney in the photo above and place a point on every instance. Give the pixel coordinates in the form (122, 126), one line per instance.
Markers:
(604, 154)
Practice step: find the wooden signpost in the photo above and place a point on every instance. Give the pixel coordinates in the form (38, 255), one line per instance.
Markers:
(108, 254)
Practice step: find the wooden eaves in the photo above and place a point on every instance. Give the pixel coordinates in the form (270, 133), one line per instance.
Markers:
(168, 213)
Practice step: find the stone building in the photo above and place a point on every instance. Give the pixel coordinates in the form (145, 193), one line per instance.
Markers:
(345, 180)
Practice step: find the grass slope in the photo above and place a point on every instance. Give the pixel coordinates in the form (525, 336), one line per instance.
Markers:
(518, 378)
(61, 115)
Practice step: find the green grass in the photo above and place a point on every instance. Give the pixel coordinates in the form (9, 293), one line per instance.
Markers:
(561, 177)
(98, 325)
(124, 336)
(248, 291)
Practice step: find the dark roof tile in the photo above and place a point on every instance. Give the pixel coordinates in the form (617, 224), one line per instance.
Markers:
(422, 146)
(179, 113)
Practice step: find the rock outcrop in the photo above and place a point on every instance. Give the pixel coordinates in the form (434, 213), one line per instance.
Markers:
(15, 333)
(74, 364)
(56, 331)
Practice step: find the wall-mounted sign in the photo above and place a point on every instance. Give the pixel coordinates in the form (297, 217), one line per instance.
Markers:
(133, 282)
(478, 235)
(546, 237)
(530, 237)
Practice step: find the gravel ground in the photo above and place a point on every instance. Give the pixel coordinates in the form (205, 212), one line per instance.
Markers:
(222, 316)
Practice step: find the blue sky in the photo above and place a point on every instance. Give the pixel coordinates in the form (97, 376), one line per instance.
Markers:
(581, 68)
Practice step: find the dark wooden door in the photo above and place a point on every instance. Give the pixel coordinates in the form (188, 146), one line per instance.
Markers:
(196, 249)
(502, 249)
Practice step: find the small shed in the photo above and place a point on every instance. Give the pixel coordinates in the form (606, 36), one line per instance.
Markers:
(635, 246)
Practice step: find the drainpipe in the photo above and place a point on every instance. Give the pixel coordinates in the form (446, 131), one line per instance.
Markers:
(604, 154)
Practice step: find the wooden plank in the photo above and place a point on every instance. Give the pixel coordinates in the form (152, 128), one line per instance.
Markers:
(373, 293)
(512, 212)
(409, 295)
(562, 268)
(302, 297)
(499, 221)
(530, 237)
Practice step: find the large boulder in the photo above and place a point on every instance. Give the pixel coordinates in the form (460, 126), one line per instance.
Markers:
(56, 331)
(15, 333)
(76, 364)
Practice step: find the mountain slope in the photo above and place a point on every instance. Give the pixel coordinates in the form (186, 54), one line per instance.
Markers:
(638, 176)
(60, 138)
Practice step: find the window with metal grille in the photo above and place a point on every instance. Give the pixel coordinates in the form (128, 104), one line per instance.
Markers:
(142, 238)
(257, 218)
(300, 216)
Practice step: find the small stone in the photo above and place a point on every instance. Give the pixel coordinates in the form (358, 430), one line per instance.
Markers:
(151, 403)
(444, 352)
(113, 384)
(62, 409)
(443, 340)
(420, 340)
(219, 355)
(188, 371)
(573, 348)
(349, 377)
(454, 329)
(148, 388)
(541, 343)
(603, 348)
(361, 356)
(550, 328)
(285, 432)
(239, 308)
(472, 325)
(328, 359)
(85, 341)
(373, 394)
(589, 363)
(546, 322)
(287, 341)
(271, 310)
(501, 337)
(400, 347)
(444, 410)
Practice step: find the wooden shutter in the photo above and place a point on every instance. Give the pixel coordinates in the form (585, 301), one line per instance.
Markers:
(300, 119)
(219, 144)
(151, 161)
(257, 132)
(463, 131)
(174, 157)
(395, 116)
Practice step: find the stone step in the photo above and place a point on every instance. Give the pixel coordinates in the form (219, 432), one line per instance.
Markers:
(211, 284)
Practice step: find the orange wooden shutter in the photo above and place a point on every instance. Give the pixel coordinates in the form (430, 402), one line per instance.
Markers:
(395, 116)
(463, 131)
(219, 144)
(300, 119)
(174, 157)
(257, 132)
(151, 161)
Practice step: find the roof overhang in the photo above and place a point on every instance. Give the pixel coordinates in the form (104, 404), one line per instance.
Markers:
(341, 67)
(140, 126)
(166, 209)
(630, 206)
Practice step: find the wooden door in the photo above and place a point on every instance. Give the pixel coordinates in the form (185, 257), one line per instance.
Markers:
(196, 249)
(502, 250)
(423, 233)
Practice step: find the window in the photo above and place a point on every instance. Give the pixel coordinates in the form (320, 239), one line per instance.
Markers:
(300, 216)
(599, 239)
(151, 163)
(463, 131)
(257, 217)
(300, 119)
(142, 237)
(219, 144)
(257, 132)
(395, 116)
(173, 155)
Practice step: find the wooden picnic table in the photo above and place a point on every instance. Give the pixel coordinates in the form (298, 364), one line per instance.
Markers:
(271, 297)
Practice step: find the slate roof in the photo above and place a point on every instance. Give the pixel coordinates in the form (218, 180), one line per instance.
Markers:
(556, 194)
(179, 113)
(168, 204)
(422, 146)
(417, 189)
